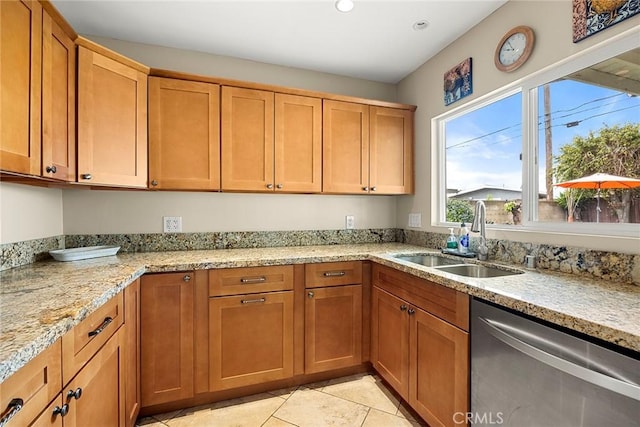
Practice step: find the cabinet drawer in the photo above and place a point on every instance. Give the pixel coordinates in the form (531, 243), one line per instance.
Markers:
(332, 274)
(85, 339)
(248, 280)
(35, 384)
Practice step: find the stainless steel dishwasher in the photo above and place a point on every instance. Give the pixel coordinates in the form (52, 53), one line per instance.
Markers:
(525, 373)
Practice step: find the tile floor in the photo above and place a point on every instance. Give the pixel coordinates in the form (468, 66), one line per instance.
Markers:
(358, 400)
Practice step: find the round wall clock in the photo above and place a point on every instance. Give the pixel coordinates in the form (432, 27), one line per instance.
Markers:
(514, 48)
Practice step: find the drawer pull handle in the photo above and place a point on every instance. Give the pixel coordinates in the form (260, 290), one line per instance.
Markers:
(100, 328)
(63, 410)
(252, 301)
(249, 280)
(77, 394)
(334, 273)
(12, 409)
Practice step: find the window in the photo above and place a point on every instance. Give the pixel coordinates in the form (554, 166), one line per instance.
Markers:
(511, 148)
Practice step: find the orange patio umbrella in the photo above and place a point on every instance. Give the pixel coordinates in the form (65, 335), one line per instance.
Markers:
(599, 181)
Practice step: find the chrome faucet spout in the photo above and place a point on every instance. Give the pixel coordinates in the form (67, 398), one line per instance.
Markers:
(478, 225)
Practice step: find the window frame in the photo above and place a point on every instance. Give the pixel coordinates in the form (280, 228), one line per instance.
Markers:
(528, 86)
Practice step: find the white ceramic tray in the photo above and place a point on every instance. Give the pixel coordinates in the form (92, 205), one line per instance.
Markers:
(76, 254)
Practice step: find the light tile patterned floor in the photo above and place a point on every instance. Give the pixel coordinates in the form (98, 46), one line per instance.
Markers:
(358, 400)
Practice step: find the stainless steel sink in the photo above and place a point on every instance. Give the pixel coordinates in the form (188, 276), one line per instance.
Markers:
(427, 260)
(475, 270)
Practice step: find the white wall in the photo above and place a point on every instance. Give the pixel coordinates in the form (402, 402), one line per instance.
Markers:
(98, 212)
(241, 69)
(29, 212)
(551, 22)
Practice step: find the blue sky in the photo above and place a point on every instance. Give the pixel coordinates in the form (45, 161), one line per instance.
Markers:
(483, 147)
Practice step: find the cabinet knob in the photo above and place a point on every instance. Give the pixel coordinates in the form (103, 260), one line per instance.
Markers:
(86, 176)
(51, 169)
(62, 410)
(411, 312)
(310, 294)
(269, 186)
(279, 186)
(403, 307)
(154, 182)
(373, 188)
(186, 278)
(77, 394)
(365, 188)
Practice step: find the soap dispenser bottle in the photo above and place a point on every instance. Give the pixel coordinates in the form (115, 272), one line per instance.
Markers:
(463, 247)
(452, 242)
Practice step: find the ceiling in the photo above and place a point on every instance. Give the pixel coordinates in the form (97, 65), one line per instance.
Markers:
(375, 41)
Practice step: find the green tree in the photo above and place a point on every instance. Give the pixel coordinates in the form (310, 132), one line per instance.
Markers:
(459, 211)
(614, 150)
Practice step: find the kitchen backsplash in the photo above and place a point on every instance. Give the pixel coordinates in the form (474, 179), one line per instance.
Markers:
(612, 266)
(27, 252)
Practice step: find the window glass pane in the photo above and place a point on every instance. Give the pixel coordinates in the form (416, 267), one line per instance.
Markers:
(482, 161)
(586, 126)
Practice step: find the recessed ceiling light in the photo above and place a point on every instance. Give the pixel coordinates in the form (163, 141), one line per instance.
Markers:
(344, 5)
(420, 25)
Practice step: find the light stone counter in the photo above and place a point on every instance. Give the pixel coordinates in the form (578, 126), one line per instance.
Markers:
(41, 301)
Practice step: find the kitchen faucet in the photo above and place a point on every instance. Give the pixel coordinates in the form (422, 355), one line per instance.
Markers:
(479, 220)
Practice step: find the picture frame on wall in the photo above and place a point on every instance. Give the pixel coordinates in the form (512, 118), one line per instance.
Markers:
(592, 16)
(458, 82)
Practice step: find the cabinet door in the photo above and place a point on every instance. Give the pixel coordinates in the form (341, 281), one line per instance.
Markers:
(298, 144)
(251, 339)
(132, 351)
(390, 340)
(247, 139)
(333, 328)
(20, 78)
(391, 151)
(166, 323)
(112, 122)
(345, 147)
(184, 135)
(440, 369)
(96, 395)
(58, 102)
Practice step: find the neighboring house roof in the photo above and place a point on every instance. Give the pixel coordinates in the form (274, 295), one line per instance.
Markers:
(489, 191)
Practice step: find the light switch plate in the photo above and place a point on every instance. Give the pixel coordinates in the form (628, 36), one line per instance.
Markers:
(172, 224)
(350, 222)
(415, 220)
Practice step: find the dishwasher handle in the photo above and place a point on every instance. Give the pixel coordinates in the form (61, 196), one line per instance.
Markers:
(619, 386)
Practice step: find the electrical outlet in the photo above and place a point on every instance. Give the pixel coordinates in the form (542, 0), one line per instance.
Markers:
(415, 220)
(172, 224)
(350, 222)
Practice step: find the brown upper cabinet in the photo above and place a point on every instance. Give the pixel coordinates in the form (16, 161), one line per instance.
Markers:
(271, 142)
(112, 118)
(37, 113)
(390, 150)
(184, 135)
(367, 149)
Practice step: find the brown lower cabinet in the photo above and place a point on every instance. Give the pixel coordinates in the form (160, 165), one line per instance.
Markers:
(167, 337)
(423, 357)
(333, 328)
(251, 339)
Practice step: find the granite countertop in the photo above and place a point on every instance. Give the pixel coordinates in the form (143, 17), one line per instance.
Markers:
(41, 301)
